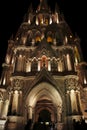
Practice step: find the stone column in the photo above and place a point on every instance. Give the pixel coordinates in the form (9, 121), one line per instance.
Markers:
(15, 102)
(19, 64)
(59, 124)
(5, 108)
(68, 61)
(39, 65)
(23, 63)
(73, 102)
(28, 66)
(1, 105)
(30, 112)
(10, 102)
(59, 112)
(60, 65)
(78, 102)
(68, 103)
(49, 65)
(71, 87)
(71, 84)
(20, 107)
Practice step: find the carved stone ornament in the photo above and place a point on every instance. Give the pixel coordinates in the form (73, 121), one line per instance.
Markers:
(71, 83)
(17, 84)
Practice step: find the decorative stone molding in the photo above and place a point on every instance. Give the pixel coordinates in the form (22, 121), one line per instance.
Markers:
(17, 84)
(3, 95)
(16, 119)
(71, 83)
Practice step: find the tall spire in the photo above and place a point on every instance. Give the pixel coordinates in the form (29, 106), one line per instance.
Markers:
(43, 5)
(56, 7)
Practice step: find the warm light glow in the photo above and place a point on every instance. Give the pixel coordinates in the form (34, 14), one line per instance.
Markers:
(73, 100)
(39, 67)
(7, 59)
(33, 42)
(29, 21)
(12, 60)
(19, 64)
(46, 21)
(57, 17)
(77, 54)
(50, 21)
(39, 90)
(16, 92)
(42, 36)
(17, 38)
(20, 56)
(85, 81)
(68, 62)
(49, 39)
(70, 36)
(37, 23)
(15, 101)
(28, 66)
(65, 40)
(24, 40)
(5, 109)
(86, 121)
(60, 66)
(49, 65)
(38, 39)
(76, 61)
(47, 123)
(41, 20)
(4, 81)
(44, 62)
(54, 41)
(30, 112)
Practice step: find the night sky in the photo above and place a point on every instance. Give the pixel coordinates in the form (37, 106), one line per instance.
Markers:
(12, 14)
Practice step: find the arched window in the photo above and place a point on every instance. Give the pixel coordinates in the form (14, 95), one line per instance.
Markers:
(40, 19)
(20, 61)
(58, 37)
(49, 37)
(34, 65)
(54, 65)
(29, 37)
(44, 61)
(37, 37)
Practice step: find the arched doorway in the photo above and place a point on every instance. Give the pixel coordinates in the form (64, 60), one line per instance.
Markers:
(46, 110)
(44, 116)
(44, 98)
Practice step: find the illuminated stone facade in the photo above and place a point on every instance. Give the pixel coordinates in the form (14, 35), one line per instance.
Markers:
(43, 71)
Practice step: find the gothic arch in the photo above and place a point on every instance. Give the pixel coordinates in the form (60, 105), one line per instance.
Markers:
(45, 91)
(51, 111)
(39, 90)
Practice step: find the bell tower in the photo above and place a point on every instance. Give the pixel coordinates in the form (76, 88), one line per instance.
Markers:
(44, 77)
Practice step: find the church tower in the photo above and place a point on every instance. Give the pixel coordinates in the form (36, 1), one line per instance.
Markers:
(44, 77)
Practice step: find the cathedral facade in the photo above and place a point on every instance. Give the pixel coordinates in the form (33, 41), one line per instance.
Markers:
(44, 76)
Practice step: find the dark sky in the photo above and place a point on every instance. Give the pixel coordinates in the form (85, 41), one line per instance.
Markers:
(12, 13)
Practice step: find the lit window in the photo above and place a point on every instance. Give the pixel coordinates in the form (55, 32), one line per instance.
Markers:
(49, 39)
(38, 39)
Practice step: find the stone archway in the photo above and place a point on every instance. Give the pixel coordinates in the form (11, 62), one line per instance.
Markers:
(44, 116)
(44, 91)
(45, 105)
